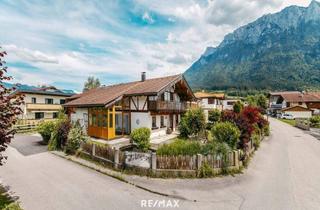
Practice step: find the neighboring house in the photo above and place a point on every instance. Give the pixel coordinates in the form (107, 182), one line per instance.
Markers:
(280, 101)
(113, 111)
(227, 104)
(210, 101)
(41, 103)
(298, 112)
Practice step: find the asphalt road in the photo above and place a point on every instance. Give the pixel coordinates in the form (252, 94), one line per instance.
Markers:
(283, 174)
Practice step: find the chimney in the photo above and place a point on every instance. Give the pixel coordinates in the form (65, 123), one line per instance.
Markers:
(143, 76)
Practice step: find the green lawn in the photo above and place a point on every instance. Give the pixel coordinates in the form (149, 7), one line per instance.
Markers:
(290, 122)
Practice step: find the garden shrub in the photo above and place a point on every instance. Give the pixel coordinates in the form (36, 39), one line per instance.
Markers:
(141, 136)
(315, 121)
(52, 145)
(180, 147)
(214, 116)
(13, 206)
(183, 128)
(266, 130)
(75, 137)
(237, 107)
(59, 136)
(45, 129)
(192, 123)
(205, 171)
(226, 132)
(246, 121)
(256, 139)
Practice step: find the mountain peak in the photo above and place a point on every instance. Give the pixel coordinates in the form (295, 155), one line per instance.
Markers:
(277, 51)
(313, 11)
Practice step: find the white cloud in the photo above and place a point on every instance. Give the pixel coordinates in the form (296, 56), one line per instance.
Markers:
(147, 17)
(65, 41)
(30, 55)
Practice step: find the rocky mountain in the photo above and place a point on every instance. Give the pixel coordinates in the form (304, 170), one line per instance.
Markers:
(278, 51)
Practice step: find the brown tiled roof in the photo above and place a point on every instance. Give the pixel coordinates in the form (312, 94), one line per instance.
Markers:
(209, 95)
(296, 96)
(296, 108)
(104, 95)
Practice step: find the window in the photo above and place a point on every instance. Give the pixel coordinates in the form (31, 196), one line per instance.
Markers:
(49, 101)
(55, 115)
(210, 100)
(111, 120)
(154, 122)
(171, 96)
(90, 119)
(230, 103)
(62, 101)
(94, 122)
(99, 120)
(33, 100)
(39, 115)
(288, 104)
(300, 103)
(162, 122)
(104, 120)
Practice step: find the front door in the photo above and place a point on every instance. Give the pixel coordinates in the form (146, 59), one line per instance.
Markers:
(171, 121)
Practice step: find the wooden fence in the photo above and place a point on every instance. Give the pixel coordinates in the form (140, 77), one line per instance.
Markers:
(161, 163)
(24, 125)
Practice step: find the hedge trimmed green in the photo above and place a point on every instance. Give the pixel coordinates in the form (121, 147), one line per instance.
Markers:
(45, 129)
(141, 136)
(226, 132)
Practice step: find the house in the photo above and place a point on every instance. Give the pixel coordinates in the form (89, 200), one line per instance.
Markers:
(227, 104)
(113, 111)
(41, 102)
(210, 101)
(281, 101)
(298, 111)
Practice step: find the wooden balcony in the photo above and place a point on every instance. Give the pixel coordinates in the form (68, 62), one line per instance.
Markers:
(43, 107)
(168, 106)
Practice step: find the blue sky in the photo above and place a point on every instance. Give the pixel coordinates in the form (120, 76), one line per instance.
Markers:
(61, 43)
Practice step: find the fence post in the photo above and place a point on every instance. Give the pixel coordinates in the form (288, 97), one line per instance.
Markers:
(153, 161)
(125, 158)
(93, 149)
(236, 158)
(116, 157)
(199, 161)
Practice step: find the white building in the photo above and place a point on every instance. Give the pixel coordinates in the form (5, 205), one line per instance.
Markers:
(41, 103)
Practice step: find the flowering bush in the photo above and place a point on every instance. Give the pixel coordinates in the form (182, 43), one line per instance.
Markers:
(246, 121)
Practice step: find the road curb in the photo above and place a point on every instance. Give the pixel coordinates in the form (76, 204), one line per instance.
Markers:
(114, 174)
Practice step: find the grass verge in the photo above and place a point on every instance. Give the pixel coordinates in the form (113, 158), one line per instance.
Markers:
(290, 122)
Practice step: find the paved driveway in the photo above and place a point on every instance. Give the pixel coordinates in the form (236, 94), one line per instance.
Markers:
(283, 174)
(28, 144)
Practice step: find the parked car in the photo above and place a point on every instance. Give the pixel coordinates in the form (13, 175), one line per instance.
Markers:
(287, 116)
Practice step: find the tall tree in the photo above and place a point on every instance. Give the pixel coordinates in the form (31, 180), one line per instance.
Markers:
(10, 108)
(91, 83)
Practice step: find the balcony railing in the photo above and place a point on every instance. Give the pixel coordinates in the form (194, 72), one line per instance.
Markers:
(48, 107)
(276, 106)
(167, 106)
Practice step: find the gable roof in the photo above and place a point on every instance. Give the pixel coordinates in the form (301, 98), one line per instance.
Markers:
(296, 96)
(105, 95)
(296, 108)
(209, 95)
(50, 90)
